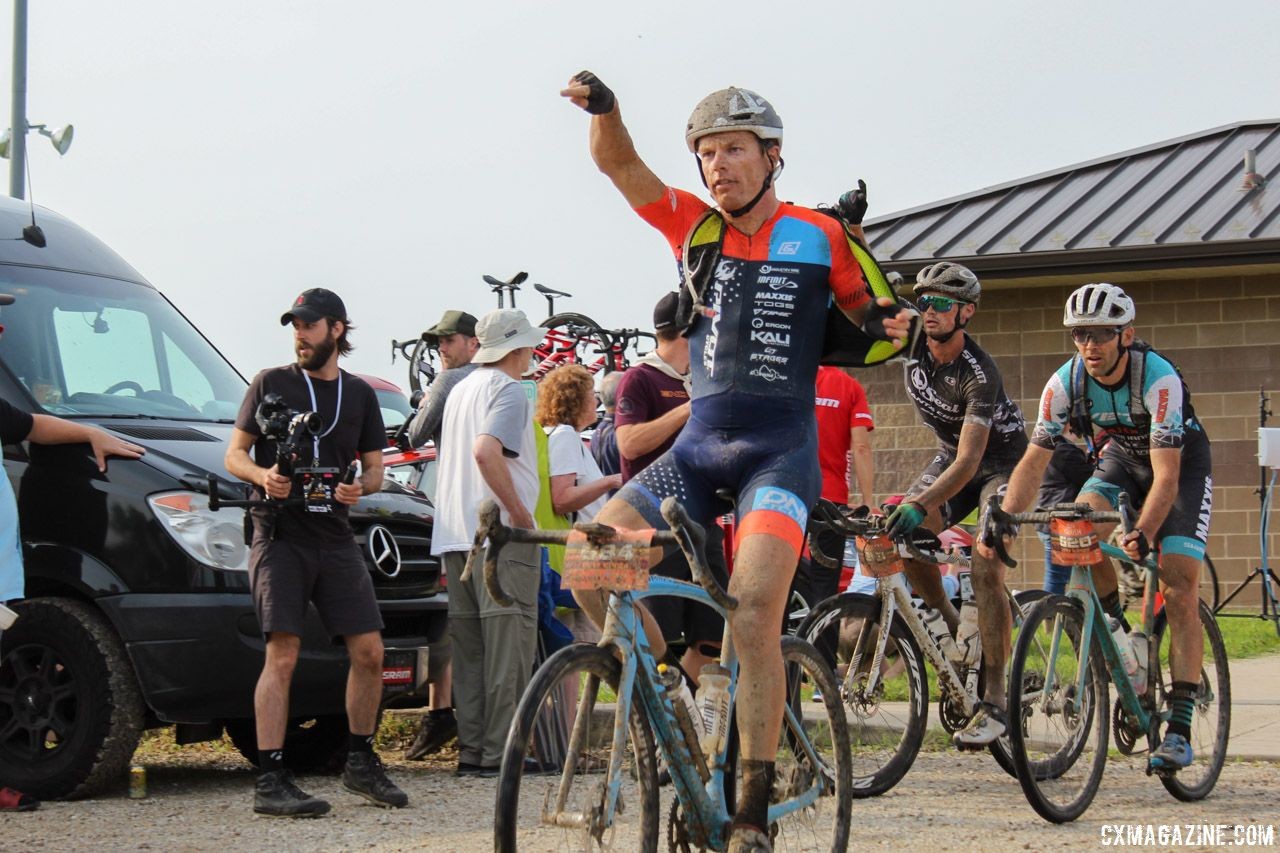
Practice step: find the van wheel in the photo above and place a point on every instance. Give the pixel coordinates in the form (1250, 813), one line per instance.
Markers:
(310, 743)
(71, 712)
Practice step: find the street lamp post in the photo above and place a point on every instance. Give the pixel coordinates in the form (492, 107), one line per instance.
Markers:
(18, 116)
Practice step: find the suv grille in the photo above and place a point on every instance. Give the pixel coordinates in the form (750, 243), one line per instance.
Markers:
(406, 570)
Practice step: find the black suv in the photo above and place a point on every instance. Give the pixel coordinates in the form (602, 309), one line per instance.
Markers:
(138, 612)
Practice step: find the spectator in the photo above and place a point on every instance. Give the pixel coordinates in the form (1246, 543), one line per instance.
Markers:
(844, 424)
(300, 556)
(653, 406)
(604, 444)
(1068, 470)
(566, 406)
(455, 339)
(488, 450)
(17, 426)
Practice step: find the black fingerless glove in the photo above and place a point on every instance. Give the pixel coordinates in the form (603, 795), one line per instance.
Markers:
(600, 99)
(873, 323)
(852, 206)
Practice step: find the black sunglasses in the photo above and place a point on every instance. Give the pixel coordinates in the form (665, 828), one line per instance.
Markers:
(1095, 334)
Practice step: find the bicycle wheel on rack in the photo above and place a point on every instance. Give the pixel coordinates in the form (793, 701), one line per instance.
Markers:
(553, 783)
(1058, 721)
(886, 724)
(572, 338)
(825, 823)
(1211, 722)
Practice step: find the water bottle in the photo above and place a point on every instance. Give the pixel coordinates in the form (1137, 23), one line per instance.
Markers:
(681, 697)
(968, 638)
(1127, 658)
(937, 628)
(1141, 649)
(713, 698)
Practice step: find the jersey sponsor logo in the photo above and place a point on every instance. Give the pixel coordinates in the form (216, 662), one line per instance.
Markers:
(1046, 405)
(769, 269)
(768, 358)
(978, 372)
(1162, 407)
(780, 500)
(772, 339)
(767, 297)
(765, 312)
(726, 270)
(777, 282)
(768, 374)
(918, 379)
(791, 247)
(1206, 508)
(827, 402)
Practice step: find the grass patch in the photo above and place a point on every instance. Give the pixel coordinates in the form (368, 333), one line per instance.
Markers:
(1249, 638)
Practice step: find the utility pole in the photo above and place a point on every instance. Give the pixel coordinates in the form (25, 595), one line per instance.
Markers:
(18, 116)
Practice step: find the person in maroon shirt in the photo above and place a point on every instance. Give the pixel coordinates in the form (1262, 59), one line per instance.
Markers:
(653, 396)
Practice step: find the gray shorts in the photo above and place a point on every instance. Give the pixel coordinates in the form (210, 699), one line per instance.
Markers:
(285, 575)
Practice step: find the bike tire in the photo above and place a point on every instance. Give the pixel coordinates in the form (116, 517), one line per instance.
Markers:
(566, 688)
(885, 737)
(1211, 725)
(1049, 744)
(1000, 749)
(1214, 599)
(588, 357)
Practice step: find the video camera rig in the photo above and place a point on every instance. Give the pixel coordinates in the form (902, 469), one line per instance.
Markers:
(290, 428)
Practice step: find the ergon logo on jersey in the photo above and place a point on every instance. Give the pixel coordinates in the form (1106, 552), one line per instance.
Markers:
(780, 500)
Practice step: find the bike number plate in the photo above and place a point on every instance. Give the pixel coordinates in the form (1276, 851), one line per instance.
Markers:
(879, 556)
(1073, 542)
(620, 563)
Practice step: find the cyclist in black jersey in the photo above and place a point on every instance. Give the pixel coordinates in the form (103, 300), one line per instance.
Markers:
(981, 436)
(754, 353)
(1158, 452)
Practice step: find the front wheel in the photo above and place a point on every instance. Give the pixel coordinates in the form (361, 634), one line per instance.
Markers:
(1211, 720)
(553, 786)
(886, 720)
(1059, 716)
(813, 750)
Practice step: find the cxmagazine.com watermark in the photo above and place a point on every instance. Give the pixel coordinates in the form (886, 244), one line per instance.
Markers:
(1188, 835)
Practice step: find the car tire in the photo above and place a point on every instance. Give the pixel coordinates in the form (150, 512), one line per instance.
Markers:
(71, 711)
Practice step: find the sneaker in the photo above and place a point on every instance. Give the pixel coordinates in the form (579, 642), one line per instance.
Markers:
(364, 775)
(436, 731)
(276, 795)
(987, 724)
(748, 839)
(16, 801)
(467, 769)
(1172, 755)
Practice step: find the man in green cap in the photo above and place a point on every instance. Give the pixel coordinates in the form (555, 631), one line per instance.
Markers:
(455, 339)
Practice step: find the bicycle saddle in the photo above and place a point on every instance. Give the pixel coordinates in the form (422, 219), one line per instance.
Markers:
(513, 284)
(542, 288)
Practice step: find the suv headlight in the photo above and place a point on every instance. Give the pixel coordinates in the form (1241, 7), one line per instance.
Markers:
(213, 538)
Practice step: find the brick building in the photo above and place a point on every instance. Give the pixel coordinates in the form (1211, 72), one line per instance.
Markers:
(1189, 227)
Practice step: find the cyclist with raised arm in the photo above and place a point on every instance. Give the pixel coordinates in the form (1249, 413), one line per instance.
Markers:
(959, 394)
(755, 352)
(1157, 451)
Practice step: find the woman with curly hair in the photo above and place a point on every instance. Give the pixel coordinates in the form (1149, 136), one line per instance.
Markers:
(566, 406)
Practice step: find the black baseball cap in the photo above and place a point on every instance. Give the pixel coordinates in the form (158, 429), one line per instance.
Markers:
(664, 313)
(315, 304)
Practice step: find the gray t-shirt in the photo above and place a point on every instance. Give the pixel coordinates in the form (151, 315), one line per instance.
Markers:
(427, 422)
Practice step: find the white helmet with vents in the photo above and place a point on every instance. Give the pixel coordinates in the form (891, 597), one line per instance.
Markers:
(1098, 304)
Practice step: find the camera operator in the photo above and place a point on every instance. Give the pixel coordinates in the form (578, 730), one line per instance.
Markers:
(304, 553)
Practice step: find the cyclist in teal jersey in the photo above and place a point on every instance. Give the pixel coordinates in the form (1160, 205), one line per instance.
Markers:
(1156, 450)
(754, 356)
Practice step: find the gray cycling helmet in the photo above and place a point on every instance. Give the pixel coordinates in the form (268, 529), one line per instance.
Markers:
(1098, 304)
(950, 280)
(732, 109)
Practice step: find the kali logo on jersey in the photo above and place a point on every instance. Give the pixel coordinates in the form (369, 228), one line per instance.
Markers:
(771, 339)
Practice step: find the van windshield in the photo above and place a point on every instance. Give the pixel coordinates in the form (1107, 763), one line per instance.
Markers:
(88, 345)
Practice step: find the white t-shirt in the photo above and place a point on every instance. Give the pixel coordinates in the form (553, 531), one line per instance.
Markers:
(488, 402)
(566, 454)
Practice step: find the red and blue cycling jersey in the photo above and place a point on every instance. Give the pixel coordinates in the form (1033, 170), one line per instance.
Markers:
(768, 303)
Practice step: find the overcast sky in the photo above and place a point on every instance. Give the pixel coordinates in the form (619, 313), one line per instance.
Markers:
(239, 152)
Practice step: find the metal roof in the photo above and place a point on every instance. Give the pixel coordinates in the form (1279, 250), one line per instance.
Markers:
(1180, 199)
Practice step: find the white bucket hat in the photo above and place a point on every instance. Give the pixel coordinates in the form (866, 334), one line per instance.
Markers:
(503, 331)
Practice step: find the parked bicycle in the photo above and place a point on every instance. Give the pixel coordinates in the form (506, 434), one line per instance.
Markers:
(581, 757)
(1066, 653)
(875, 644)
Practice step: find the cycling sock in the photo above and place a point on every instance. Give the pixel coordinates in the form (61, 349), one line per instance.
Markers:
(270, 760)
(359, 743)
(1182, 703)
(1112, 607)
(757, 784)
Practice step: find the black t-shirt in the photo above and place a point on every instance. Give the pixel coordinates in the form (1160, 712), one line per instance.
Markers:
(358, 430)
(967, 388)
(15, 424)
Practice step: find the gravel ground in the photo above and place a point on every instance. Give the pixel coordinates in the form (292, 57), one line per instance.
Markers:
(201, 799)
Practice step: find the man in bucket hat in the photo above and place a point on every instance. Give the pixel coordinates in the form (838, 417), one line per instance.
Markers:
(487, 450)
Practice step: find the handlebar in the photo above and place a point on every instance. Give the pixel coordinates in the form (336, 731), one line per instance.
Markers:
(828, 516)
(684, 533)
(997, 524)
